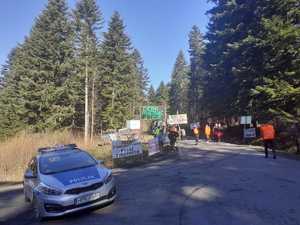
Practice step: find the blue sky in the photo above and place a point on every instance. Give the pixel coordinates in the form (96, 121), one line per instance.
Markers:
(158, 28)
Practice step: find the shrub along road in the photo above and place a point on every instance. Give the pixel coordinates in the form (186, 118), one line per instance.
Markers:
(208, 184)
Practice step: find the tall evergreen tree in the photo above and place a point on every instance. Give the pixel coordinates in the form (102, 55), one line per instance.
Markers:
(11, 104)
(251, 53)
(196, 75)
(88, 21)
(178, 99)
(278, 93)
(139, 83)
(143, 78)
(162, 94)
(151, 96)
(116, 75)
(45, 70)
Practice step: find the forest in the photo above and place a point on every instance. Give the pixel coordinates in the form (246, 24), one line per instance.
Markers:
(69, 73)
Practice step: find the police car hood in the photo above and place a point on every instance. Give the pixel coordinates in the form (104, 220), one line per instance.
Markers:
(73, 178)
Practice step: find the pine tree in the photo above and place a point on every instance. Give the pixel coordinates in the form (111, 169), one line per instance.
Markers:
(11, 104)
(116, 75)
(196, 75)
(278, 94)
(178, 100)
(162, 94)
(251, 57)
(139, 84)
(88, 21)
(45, 70)
(142, 75)
(151, 96)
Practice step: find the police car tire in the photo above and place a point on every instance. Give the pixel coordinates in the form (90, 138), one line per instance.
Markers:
(36, 210)
(26, 199)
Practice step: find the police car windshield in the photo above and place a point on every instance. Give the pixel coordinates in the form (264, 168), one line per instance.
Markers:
(65, 161)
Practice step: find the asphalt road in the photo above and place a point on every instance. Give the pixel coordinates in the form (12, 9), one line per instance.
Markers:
(208, 184)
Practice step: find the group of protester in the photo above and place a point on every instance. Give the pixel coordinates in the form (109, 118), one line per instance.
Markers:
(215, 132)
(267, 134)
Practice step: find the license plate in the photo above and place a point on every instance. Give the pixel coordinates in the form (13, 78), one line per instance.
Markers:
(87, 198)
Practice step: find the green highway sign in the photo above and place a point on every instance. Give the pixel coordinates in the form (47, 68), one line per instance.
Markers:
(152, 113)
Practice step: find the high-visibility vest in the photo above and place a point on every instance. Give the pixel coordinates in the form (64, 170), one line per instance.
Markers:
(267, 132)
(196, 131)
(207, 130)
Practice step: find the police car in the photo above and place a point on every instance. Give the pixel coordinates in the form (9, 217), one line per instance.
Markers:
(64, 179)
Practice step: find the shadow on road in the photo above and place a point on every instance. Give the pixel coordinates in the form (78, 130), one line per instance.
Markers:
(215, 185)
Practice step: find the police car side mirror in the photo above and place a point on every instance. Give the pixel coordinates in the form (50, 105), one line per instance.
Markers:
(100, 162)
(29, 174)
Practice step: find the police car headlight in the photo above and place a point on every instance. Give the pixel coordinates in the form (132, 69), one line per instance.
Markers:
(108, 178)
(48, 190)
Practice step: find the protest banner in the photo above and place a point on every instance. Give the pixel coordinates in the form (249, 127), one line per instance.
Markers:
(153, 146)
(250, 133)
(177, 119)
(124, 150)
(133, 124)
(246, 120)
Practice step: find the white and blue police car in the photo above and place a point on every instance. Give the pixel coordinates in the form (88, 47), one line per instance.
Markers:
(65, 179)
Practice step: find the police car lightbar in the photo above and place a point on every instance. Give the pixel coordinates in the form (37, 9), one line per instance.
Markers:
(57, 147)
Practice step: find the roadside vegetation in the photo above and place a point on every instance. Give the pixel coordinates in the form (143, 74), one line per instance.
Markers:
(17, 151)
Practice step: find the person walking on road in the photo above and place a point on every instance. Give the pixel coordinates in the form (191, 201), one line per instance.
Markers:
(196, 134)
(267, 133)
(207, 132)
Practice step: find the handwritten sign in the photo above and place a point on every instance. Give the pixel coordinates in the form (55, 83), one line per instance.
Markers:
(250, 133)
(177, 119)
(126, 150)
(153, 146)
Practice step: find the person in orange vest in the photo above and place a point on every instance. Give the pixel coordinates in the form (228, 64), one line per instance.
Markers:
(196, 133)
(267, 133)
(207, 132)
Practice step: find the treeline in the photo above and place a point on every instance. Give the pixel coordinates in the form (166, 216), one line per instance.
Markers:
(248, 62)
(69, 74)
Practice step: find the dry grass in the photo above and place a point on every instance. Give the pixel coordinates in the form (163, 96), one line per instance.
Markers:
(16, 152)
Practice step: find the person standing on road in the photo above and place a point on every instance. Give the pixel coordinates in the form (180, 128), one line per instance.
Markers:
(196, 134)
(207, 132)
(267, 133)
(173, 135)
(217, 131)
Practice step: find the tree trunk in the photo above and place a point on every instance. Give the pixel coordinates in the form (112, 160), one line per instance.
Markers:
(93, 109)
(86, 111)
(112, 106)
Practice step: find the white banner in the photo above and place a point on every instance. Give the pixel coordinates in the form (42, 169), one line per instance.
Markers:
(133, 124)
(177, 119)
(246, 120)
(153, 146)
(250, 133)
(123, 151)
